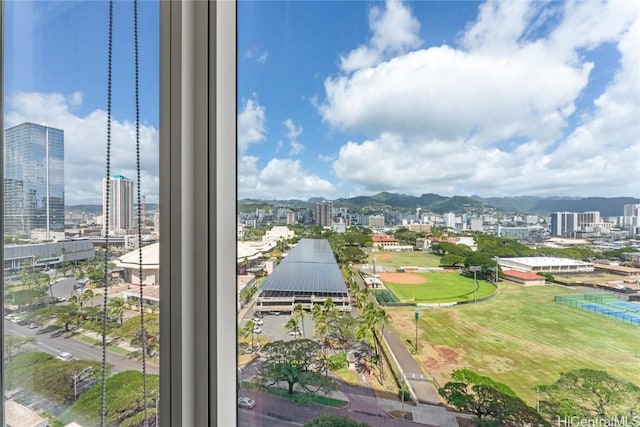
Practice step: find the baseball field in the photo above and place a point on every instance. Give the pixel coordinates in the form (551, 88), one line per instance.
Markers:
(435, 287)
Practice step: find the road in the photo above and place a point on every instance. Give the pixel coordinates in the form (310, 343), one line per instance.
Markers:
(54, 342)
(276, 411)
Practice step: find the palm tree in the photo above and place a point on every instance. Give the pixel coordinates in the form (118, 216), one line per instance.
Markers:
(247, 330)
(298, 313)
(292, 326)
(116, 308)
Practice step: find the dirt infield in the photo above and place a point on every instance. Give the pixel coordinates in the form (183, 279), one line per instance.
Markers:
(402, 278)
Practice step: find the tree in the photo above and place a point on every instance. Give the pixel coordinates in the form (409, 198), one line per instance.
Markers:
(292, 326)
(13, 345)
(247, 331)
(295, 362)
(298, 313)
(589, 393)
(332, 420)
(488, 400)
(116, 308)
(343, 328)
(451, 259)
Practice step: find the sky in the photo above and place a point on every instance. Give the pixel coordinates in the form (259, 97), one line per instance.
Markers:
(503, 98)
(347, 98)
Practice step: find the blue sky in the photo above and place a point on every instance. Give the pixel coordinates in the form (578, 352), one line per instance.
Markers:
(344, 98)
(507, 98)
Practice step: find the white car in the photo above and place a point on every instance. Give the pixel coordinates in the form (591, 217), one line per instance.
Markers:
(64, 356)
(258, 322)
(257, 330)
(295, 333)
(246, 402)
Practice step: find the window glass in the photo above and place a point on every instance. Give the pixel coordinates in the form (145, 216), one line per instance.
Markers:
(438, 205)
(56, 204)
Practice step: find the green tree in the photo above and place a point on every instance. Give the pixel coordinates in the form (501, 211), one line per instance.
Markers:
(247, 331)
(298, 314)
(589, 393)
(292, 325)
(452, 260)
(343, 328)
(116, 308)
(492, 403)
(13, 345)
(295, 362)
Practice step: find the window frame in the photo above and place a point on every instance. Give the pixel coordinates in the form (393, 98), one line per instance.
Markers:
(198, 178)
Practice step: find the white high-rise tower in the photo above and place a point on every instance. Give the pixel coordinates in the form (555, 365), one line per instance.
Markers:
(120, 205)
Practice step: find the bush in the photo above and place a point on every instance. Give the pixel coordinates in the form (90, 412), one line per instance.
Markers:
(404, 393)
(338, 361)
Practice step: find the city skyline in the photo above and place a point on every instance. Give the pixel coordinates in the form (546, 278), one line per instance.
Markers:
(337, 99)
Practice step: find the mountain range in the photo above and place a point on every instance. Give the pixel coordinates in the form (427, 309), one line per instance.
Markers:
(607, 206)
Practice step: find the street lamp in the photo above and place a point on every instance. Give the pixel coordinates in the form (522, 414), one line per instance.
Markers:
(475, 269)
(75, 382)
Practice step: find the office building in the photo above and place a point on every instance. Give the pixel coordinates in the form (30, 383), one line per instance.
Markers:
(450, 220)
(34, 180)
(376, 222)
(121, 220)
(324, 217)
(564, 224)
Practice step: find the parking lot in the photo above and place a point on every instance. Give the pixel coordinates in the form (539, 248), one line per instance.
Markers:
(273, 327)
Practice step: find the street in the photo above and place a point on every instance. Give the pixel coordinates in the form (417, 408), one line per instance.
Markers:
(53, 342)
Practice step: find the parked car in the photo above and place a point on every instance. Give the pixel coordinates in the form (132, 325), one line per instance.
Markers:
(257, 330)
(295, 333)
(258, 322)
(246, 402)
(64, 356)
(33, 325)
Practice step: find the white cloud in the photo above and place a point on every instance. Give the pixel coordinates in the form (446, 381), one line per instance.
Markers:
(260, 57)
(85, 144)
(394, 31)
(293, 132)
(325, 158)
(495, 116)
(457, 93)
(251, 125)
(296, 148)
(280, 179)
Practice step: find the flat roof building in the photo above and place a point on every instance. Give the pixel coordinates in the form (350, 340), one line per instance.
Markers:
(309, 275)
(545, 264)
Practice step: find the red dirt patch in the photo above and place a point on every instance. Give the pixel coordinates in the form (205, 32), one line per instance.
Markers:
(403, 278)
(384, 256)
(440, 360)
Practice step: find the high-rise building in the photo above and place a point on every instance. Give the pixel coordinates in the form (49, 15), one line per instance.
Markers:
(324, 215)
(564, 224)
(121, 219)
(450, 220)
(33, 180)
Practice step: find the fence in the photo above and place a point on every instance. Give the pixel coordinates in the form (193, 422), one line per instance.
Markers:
(604, 304)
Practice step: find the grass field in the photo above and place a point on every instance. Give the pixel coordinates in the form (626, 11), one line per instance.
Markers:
(399, 259)
(521, 338)
(441, 287)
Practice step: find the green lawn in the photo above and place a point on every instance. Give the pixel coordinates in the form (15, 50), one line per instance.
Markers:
(441, 287)
(404, 259)
(522, 338)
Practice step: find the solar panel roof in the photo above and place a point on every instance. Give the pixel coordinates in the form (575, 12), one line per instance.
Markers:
(309, 267)
(312, 250)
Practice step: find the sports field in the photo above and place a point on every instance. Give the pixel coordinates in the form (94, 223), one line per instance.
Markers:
(434, 287)
(522, 338)
(403, 259)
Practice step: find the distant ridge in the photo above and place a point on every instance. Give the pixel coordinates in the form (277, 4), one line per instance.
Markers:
(607, 206)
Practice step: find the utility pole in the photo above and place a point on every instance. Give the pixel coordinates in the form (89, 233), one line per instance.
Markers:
(417, 315)
(475, 269)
